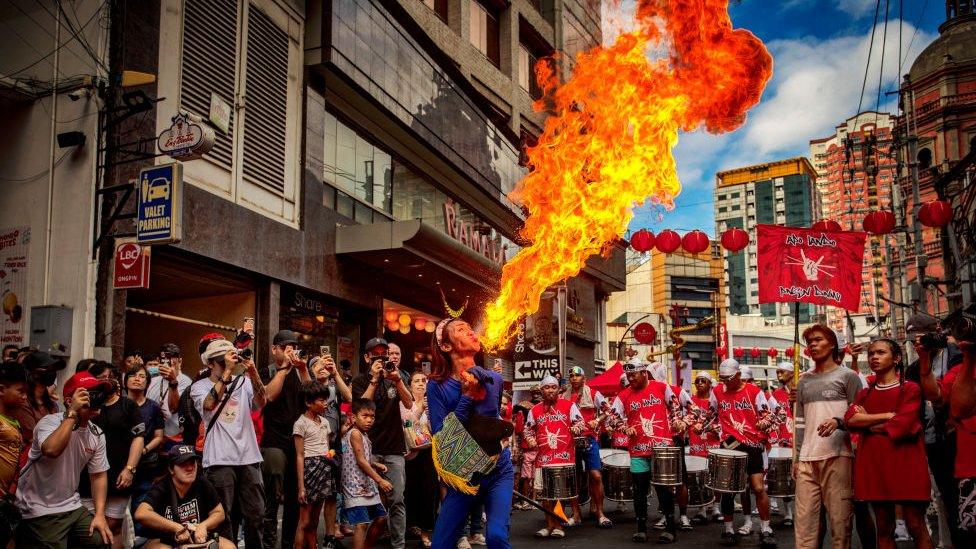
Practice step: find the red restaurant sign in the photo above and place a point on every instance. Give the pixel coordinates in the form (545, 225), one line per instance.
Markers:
(131, 266)
(809, 266)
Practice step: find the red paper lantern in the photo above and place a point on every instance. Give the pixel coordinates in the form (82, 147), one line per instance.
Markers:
(826, 225)
(789, 352)
(721, 351)
(695, 242)
(879, 222)
(937, 213)
(738, 352)
(642, 241)
(735, 239)
(667, 241)
(771, 353)
(755, 352)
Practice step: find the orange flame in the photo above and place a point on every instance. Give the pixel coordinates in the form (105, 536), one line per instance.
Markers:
(607, 144)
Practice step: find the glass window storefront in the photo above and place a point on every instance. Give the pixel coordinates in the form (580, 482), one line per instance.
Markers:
(352, 165)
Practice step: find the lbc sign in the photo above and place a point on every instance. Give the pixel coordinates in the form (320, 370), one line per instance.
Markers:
(131, 266)
(160, 204)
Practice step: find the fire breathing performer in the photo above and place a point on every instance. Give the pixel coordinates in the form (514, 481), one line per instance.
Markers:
(591, 405)
(464, 406)
(550, 428)
(744, 416)
(645, 417)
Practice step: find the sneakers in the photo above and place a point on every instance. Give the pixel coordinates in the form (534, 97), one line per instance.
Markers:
(729, 539)
(901, 531)
(746, 529)
(684, 523)
(660, 524)
(666, 537)
(639, 537)
(463, 543)
(478, 539)
(767, 539)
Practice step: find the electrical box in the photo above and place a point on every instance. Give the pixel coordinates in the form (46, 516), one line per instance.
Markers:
(50, 329)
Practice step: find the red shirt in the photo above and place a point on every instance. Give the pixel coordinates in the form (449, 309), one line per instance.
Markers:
(550, 427)
(647, 412)
(739, 413)
(965, 431)
(588, 410)
(783, 434)
(701, 415)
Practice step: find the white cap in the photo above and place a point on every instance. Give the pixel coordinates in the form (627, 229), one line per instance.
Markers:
(623, 380)
(549, 380)
(217, 348)
(635, 365)
(659, 372)
(746, 372)
(703, 374)
(728, 367)
(784, 366)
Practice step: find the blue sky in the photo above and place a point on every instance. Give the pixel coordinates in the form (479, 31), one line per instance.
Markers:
(819, 50)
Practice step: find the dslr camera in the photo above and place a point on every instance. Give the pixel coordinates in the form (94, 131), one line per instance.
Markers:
(97, 398)
(387, 365)
(245, 354)
(934, 341)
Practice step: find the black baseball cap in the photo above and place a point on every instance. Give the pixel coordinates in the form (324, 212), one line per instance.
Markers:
(170, 349)
(285, 337)
(921, 323)
(42, 360)
(376, 342)
(181, 454)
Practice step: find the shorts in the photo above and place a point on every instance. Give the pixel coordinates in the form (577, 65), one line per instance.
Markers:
(319, 480)
(591, 456)
(365, 514)
(115, 506)
(528, 463)
(755, 458)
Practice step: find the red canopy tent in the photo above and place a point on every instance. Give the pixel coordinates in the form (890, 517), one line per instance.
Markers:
(608, 383)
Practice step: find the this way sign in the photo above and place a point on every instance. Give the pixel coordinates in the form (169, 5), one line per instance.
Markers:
(160, 212)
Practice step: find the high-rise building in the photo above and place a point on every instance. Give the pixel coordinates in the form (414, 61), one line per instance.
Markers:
(855, 172)
(776, 193)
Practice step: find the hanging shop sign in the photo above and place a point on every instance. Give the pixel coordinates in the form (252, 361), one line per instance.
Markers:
(131, 266)
(159, 219)
(536, 351)
(810, 266)
(220, 112)
(14, 247)
(471, 234)
(186, 139)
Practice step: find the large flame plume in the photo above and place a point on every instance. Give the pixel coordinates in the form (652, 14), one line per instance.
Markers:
(607, 144)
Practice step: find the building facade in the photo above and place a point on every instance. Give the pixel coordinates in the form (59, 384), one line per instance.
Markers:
(776, 193)
(856, 171)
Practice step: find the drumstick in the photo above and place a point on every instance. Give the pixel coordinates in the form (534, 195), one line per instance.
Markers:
(539, 506)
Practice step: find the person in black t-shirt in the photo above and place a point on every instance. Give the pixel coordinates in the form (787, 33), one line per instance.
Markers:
(182, 507)
(283, 384)
(385, 385)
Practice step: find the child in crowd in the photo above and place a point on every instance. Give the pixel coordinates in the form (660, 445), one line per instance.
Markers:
(315, 481)
(361, 476)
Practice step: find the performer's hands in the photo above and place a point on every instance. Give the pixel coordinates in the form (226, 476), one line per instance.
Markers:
(531, 442)
(630, 431)
(827, 428)
(469, 385)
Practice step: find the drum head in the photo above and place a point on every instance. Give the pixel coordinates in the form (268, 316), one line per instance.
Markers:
(781, 453)
(617, 458)
(727, 453)
(696, 463)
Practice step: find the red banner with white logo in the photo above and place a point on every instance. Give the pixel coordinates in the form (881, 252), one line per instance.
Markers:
(821, 267)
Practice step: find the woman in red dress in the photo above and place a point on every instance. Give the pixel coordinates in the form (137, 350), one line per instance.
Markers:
(890, 466)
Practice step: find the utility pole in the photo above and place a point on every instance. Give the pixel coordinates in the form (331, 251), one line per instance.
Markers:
(921, 260)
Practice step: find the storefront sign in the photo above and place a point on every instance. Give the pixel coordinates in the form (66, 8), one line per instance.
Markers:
(186, 139)
(219, 113)
(14, 245)
(160, 212)
(575, 323)
(131, 266)
(536, 352)
(489, 245)
(645, 334)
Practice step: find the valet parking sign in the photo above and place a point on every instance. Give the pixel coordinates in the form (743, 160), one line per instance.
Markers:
(160, 211)
(809, 266)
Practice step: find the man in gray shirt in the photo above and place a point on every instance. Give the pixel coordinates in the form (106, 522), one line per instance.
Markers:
(823, 474)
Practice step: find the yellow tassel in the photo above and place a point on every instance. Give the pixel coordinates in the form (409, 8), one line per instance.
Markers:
(452, 480)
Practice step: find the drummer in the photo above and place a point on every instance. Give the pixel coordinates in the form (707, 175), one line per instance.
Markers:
(679, 406)
(618, 439)
(643, 406)
(744, 416)
(590, 403)
(782, 434)
(703, 429)
(550, 428)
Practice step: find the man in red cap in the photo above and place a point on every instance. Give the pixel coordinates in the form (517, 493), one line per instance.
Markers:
(64, 446)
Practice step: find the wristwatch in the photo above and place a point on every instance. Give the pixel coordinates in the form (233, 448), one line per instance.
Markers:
(131, 469)
(70, 414)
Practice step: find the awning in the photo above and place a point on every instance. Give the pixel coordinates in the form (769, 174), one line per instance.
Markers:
(419, 253)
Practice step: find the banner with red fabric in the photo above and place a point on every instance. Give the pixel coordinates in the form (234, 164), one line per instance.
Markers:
(810, 266)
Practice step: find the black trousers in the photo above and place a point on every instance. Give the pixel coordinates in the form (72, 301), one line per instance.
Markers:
(665, 497)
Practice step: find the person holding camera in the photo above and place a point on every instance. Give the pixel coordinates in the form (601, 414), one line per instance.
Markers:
(63, 446)
(385, 386)
(284, 380)
(165, 389)
(42, 374)
(231, 457)
(183, 508)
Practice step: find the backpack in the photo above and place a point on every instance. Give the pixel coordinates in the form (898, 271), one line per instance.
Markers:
(189, 418)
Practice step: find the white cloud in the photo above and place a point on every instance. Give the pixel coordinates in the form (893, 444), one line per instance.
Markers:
(857, 8)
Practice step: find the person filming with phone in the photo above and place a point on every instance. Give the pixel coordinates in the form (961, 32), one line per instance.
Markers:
(231, 458)
(384, 385)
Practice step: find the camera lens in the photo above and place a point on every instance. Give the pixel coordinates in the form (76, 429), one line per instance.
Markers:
(246, 354)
